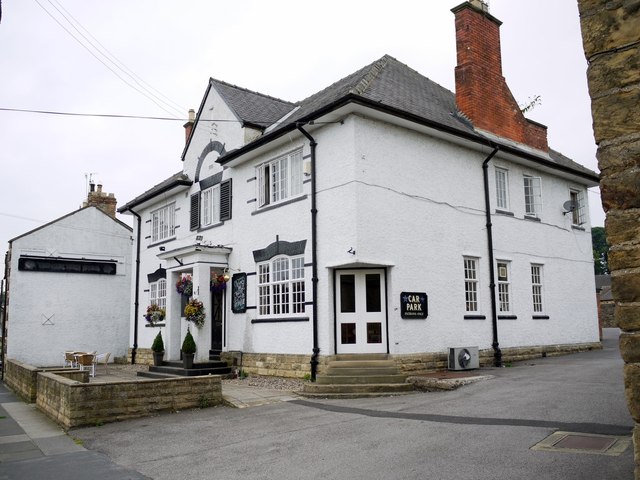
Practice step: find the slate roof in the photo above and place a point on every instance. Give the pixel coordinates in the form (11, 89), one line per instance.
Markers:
(386, 84)
(252, 107)
(175, 180)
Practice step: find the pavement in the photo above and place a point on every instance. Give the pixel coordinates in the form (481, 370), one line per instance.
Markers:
(516, 410)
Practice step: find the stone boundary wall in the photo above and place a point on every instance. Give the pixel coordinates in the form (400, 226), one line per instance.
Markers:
(271, 364)
(74, 404)
(22, 378)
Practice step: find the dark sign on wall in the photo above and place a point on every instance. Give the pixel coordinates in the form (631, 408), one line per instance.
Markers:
(239, 293)
(413, 305)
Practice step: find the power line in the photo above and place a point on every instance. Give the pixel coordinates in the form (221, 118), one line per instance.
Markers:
(123, 67)
(144, 117)
(146, 93)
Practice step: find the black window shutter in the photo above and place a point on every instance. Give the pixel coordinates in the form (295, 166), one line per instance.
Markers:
(225, 200)
(195, 211)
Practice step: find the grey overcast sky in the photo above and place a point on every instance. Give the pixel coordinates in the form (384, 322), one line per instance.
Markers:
(284, 48)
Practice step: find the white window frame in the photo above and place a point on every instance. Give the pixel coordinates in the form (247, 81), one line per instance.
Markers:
(471, 284)
(502, 188)
(210, 205)
(503, 277)
(163, 221)
(281, 286)
(578, 215)
(532, 196)
(158, 293)
(280, 179)
(536, 288)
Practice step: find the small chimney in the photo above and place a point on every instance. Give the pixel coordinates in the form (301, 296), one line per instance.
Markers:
(188, 127)
(482, 93)
(104, 201)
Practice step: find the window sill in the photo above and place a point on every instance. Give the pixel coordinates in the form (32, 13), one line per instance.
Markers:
(507, 317)
(532, 218)
(540, 317)
(475, 317)
(504, 212)
(279, 204)
(209, 227)
(578, 227)
(161, 242)
(156, 325)
(280, 319)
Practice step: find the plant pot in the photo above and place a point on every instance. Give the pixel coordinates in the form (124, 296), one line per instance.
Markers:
(157, 358)
(187, 360)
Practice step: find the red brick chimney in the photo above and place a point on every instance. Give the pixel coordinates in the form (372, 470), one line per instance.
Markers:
(104, 201)
(188, 127)
(482, 93)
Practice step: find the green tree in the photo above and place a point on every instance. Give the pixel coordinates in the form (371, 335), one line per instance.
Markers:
(600, 251)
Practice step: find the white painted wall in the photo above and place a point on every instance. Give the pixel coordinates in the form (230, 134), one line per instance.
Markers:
(89, 312)
(413, 204)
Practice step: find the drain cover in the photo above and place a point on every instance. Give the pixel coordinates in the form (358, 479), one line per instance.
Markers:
(583, 443)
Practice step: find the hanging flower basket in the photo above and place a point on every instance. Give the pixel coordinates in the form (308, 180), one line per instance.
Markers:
(218, 282)
(154, 314)
(184, 286)
(194, 312)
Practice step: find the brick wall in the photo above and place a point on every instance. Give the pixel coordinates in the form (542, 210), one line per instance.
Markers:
(611, 40)
(482, 93)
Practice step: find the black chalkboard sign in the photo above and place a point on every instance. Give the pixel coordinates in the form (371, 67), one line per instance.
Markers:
(413, 305)
(239, 293)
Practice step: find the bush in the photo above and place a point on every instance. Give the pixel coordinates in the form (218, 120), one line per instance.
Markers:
(189, 344)
(158, 344)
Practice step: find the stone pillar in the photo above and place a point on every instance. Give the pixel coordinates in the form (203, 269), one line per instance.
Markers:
(611, 40)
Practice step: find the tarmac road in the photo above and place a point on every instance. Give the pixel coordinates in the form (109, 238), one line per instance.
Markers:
(484, 430)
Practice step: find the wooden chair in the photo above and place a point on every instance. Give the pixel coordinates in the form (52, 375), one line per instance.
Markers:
(103, 359)
(86, 361)
(70, 359)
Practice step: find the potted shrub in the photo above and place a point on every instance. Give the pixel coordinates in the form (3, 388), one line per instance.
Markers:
(158, 350)
(188, 350)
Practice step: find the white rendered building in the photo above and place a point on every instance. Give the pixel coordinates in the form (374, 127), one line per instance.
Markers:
(384, 214)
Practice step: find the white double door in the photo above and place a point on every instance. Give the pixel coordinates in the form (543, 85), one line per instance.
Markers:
(361, 311)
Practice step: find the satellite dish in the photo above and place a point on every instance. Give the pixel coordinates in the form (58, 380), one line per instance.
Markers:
(569, 206)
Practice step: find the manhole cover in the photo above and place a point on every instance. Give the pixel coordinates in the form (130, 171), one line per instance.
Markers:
(583, 443)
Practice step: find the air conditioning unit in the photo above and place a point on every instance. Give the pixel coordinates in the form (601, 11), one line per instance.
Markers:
(463, 358)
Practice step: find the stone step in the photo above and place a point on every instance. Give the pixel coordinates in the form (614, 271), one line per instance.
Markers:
(352, 395)
(157, 375)
(361, 356)
(359, 379)
(360, 363)
(355, 371)
(380, 388)
(175, 368)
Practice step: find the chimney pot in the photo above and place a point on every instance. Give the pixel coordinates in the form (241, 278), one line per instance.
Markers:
(92, 187)
(99, 188)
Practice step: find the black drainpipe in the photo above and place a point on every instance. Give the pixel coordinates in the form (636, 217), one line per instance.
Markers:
(497, 354)
(136, 300)
(314, 254)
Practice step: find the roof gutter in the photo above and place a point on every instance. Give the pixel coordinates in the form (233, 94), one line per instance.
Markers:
(497, 353)
(359, 100)
(314, 252)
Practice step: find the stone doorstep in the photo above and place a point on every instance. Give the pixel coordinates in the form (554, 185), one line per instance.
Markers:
(442, 381)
